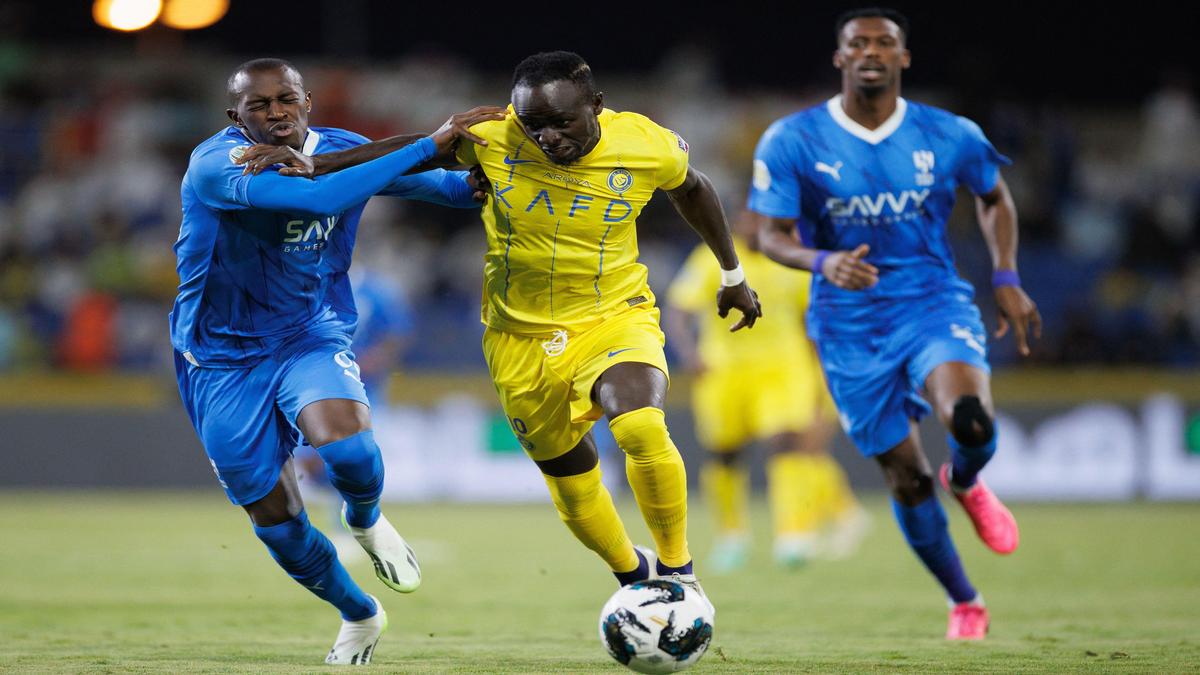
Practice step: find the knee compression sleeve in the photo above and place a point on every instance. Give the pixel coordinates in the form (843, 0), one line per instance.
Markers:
(586, 507)
(657, 477)
(972, 440)
(355, 467)
(970, 424)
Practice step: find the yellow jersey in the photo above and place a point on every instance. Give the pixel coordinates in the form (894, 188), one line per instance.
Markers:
(777, 335)
(562, 243)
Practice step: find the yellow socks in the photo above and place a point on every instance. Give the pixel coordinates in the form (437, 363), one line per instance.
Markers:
(833, 488)
(794, 494)
(658, 479)
(726, 487)
(586, 507)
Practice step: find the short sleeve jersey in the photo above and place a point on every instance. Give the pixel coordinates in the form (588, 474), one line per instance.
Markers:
(892, 188)
(562, 247)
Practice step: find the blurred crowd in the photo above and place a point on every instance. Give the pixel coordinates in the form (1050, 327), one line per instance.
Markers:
(92, 151)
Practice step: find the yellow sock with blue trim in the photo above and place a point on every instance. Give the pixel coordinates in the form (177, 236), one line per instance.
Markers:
(725, 489)
(659, 481)
(792, 490)
(586, 507)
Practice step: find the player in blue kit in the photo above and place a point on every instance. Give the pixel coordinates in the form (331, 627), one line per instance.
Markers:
(263, 322)
(867, 180)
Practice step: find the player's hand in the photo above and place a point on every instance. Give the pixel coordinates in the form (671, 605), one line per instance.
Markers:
(479, 182)
(847, 269)
(742, 298)
(1019, 310)
(459, 126)
(262, 156)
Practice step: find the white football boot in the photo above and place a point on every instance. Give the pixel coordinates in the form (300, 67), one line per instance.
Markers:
(395, 562)
(688, 580)
(356, 640)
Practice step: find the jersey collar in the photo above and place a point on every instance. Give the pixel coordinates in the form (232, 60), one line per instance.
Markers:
(310, 142)
(872, 136)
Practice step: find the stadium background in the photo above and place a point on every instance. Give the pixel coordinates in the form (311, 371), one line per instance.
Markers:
(1098, 113)
(119, 553)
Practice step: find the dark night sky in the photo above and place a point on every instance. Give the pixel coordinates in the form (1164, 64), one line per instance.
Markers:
(1042, 51)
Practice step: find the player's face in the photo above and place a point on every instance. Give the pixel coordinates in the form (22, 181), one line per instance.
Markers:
(560, 117)
(272, 107)
(871, 54)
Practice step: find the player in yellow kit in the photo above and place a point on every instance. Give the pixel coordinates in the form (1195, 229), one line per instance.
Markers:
(572, 328)
(763, 386)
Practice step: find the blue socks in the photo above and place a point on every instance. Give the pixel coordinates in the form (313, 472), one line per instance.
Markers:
(643, 570)
(967, 462)
(309, 558)
(355, 468)
(925, 528)
(641, 573)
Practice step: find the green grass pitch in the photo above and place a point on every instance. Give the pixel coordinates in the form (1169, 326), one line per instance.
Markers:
(176, 582)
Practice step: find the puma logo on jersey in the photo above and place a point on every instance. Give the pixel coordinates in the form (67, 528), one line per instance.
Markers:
(834, 170)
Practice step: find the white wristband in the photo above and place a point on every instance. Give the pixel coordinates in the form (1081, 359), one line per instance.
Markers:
(733, 277)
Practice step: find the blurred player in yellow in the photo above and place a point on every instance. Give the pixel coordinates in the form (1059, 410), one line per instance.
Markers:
(572, 328)
(763, 386)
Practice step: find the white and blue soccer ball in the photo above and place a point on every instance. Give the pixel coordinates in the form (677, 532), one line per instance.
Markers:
(656, 626)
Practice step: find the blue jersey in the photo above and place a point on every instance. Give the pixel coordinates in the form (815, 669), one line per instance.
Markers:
(892, 188)
(264, 258)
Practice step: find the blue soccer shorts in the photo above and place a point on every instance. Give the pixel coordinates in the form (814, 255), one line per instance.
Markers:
(246, 417)
(876, 374)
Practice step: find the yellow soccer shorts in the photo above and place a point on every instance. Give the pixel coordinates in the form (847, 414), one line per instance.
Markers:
(545, 385)
(734, 406)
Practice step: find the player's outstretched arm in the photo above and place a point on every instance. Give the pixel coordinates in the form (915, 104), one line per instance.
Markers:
(339, 191)
(260, 157)
(696, 200)
(998, 220)
(845, 269)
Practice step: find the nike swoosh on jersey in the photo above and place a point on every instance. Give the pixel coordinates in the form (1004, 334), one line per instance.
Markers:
(612, 354)
(512, 162)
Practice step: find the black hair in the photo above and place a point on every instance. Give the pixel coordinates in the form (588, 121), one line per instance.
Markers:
(872, 12)
(546, 67)
(257, 66)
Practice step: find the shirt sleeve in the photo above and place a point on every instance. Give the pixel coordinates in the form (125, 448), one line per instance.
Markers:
(674, 167)
(437, 186)
(694, 288)
(979, 166)
(334, 192)
(217, 181)
(775, 184)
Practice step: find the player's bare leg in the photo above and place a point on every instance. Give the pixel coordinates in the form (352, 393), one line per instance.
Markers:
(340, 430)
(632, 396)
(308, 557)
(961, 395)
(925, 527)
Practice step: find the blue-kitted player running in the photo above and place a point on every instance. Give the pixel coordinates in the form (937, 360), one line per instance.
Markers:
(869, 180)
(263, 322)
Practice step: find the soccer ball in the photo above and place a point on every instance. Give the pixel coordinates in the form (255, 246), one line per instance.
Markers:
(656, 626)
